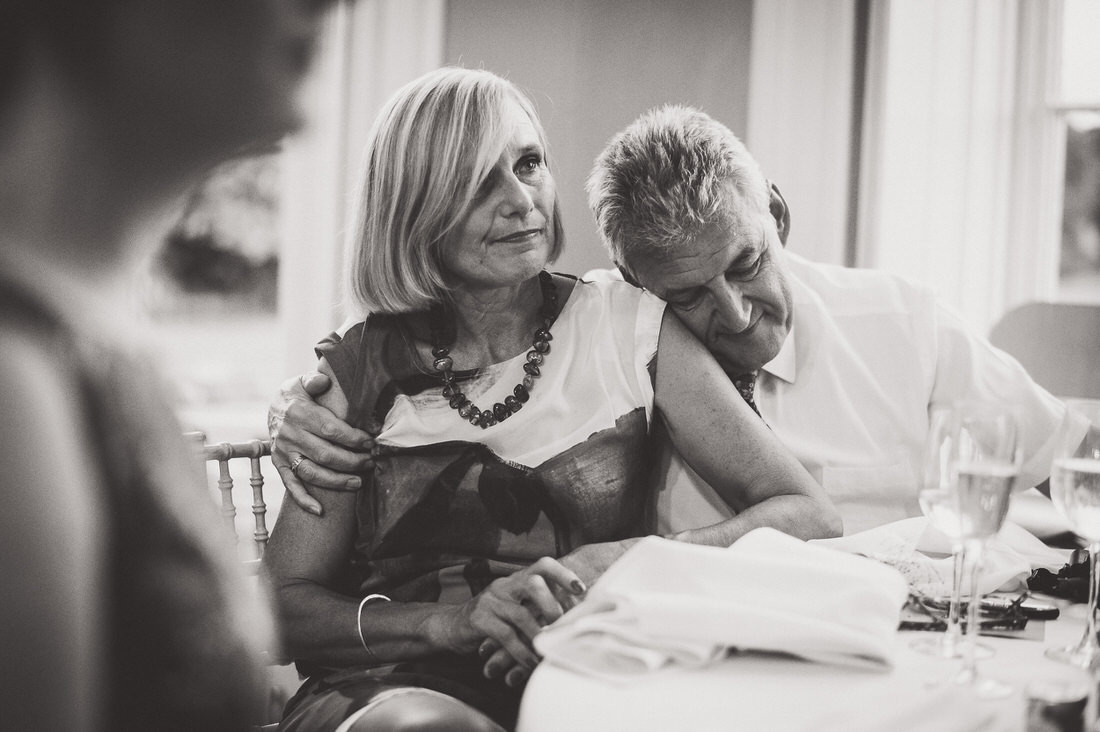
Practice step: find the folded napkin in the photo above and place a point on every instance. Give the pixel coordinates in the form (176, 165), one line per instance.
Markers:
(667, 602)
(917, 549)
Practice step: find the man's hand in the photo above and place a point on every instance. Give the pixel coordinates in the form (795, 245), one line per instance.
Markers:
(322, 448)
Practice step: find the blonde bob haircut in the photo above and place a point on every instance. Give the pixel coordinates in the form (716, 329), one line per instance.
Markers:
(430, 148)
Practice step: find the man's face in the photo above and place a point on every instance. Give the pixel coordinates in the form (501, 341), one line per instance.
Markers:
(729, 287)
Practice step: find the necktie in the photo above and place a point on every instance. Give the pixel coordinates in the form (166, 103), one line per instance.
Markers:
(745, 384)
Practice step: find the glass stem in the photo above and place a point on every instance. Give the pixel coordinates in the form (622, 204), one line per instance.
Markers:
(953, 631)
(1089, 642)
(973, 612)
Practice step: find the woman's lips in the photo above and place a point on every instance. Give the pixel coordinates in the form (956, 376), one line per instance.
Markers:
(519, 236)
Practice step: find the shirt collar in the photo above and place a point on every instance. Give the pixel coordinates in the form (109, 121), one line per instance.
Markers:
(785, 365)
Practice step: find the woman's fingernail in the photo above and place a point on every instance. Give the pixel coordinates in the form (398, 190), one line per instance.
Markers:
(578, 587)
(354, 483)
(315, 510)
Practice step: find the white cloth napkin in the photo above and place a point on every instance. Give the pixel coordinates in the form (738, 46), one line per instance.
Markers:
(916, 549)
(669, 602)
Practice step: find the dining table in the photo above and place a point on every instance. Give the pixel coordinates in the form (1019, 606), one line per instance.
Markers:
(780, 693)
(775, 692)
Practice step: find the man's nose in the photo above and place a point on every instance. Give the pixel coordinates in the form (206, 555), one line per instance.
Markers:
(733, 308)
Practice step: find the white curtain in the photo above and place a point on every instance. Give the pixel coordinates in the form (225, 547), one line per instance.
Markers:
(953, 125)
(369, 49)
(800, 121)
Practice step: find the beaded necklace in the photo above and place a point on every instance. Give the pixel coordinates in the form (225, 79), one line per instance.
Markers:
(440, 327)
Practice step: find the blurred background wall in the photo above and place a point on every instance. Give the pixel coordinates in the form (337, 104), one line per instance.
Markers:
(592, 67)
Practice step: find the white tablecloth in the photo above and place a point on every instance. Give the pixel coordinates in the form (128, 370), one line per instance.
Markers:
(778, 694)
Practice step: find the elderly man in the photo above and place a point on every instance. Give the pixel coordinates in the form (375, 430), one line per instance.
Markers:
(847, 363)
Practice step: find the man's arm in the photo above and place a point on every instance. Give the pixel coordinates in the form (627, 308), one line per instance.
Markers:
(732, 449)
(968, 367)
(330, 448)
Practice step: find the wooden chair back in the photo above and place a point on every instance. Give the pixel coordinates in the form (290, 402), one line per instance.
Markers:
(231, 459)
(236, 462)
(1058, 344)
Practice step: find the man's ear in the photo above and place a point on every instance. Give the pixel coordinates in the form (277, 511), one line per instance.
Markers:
(627, 276)
(777, 207)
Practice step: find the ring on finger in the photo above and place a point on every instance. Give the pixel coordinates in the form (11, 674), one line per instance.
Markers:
(295, 463)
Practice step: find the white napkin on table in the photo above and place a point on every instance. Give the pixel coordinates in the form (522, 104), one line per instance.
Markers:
(916, 549)
(669, 602)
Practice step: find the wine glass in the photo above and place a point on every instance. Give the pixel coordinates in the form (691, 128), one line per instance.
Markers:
(1075, 490)
(978, 466)
(936, 491)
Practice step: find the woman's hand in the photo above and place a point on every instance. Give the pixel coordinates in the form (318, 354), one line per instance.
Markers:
(512, 610)
(323, 449)
(499, 664)
(588, 562)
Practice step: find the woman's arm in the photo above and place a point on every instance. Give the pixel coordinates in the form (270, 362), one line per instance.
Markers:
(52, 612)
(732, 449)
(307, 553)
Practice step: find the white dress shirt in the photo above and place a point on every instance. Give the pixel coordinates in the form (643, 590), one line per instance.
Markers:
(869, 354)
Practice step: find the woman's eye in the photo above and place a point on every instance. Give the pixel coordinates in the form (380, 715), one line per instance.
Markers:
(529, 164)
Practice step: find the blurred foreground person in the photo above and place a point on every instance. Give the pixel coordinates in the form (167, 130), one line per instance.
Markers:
(119, 608)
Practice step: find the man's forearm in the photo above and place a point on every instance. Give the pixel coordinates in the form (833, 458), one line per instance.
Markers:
(800, 516)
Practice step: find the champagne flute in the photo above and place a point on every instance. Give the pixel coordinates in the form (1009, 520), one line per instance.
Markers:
(985, 484)
(978, 463)
(1075, 490)
(935, 492)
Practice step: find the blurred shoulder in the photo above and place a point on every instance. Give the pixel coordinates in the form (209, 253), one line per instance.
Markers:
(47, 456)
(33, 362)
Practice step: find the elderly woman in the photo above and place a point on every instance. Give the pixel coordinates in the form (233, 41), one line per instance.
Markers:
(512, 409)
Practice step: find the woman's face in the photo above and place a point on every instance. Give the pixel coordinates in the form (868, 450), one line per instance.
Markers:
(508, 232)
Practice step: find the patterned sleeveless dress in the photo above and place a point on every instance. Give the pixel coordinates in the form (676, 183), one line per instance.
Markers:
(449, 506)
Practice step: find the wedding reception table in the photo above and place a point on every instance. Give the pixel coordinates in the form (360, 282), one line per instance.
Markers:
(777, 693)
(772, 592)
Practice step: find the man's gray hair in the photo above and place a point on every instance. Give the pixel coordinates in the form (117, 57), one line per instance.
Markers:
(671, 174)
